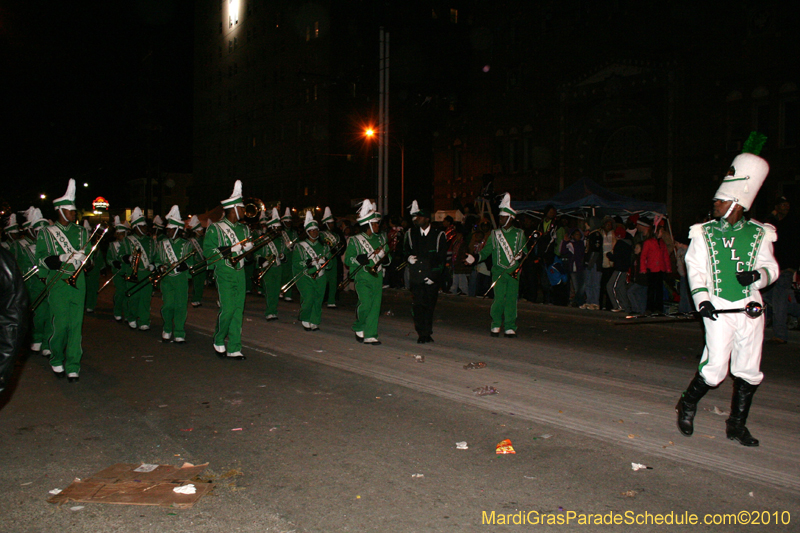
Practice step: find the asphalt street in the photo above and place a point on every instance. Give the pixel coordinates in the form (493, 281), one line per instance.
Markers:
(315, 432)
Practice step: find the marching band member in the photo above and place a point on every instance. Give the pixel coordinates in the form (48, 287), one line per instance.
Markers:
(175, 284)
(309, 257)
(196, 231)
(139, 302)
(367, 253)
(507, 246)
(332, 239)
(59, 253)
(223, 239)
(728, 262)
(426, 251)
(114, 258)
(158, 229)
(289, 238)
(272, 256)
(24, 251)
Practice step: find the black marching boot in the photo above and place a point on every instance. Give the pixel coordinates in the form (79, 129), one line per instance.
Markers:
(687, 405)
(740, 407)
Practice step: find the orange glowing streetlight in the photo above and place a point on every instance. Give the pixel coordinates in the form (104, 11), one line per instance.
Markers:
(369, 133)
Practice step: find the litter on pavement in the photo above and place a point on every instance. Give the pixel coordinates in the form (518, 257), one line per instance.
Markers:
(462, 445)
(123, 484)
(639, 466)
(470, 366)
(484, 391)
(416, 476)
(504, 447)
(185, 489)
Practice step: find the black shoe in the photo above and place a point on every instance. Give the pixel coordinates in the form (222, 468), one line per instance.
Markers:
(360, 339)
(687, 404)
(430, 339)
(60, 375)
(511, 335)
(421, 340)
(495, 334)
(76, 379)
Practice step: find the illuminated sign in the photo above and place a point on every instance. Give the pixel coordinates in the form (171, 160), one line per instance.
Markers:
(100, 203)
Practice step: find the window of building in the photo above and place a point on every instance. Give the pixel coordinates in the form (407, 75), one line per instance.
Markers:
(316, 30)
(454, 16)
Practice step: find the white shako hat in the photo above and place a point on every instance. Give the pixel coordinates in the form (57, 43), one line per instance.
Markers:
(87, 225)
(309, 222)
(236, 198)
(26, 214)
(327, 216)
(367, 213)
(413, 209)
(11, 224)
(119, 226)
(744, 179)
(35, 218)
(262, 217)
(174, 219)
(158, 222)
(505, 206)
(275, 218)
(194, 223)
(137, 218)
(68, 200)
(287, 215)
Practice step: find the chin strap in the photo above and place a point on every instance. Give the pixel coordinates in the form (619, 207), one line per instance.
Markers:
(729, 211)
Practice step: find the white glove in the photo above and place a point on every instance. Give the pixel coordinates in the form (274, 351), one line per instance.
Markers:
(412, 259)
(236, 248)
(64, 257)
(469, 259)
(77, 259)
(151, 268)
(428, 281)
(518, 256)
(248, 246)
(380, 255)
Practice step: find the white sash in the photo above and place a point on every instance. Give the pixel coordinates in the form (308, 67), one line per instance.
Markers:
(61, 239)
(362, 239)
(500, 238)
(196, 246)
(136, 244)
(170, 252)
(274, 250)
(230, 235)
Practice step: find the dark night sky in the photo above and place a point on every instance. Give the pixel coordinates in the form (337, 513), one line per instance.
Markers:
(83, 81)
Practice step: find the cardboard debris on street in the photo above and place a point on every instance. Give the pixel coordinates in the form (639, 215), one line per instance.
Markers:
(138, 484)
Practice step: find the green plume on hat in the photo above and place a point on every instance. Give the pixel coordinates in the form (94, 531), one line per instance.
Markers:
(754, 143)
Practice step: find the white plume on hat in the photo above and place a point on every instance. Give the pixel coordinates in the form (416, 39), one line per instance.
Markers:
(11, 223)
(68, 200)
(309, 221)
(34, 215)
(287, 215)
(236, 198)
(86, 224)
(194, 222)
(367, 212)
(505, 206)
(327, 216)
(414, 208)
(137, 217)
(174, 218)
(158, 222)
(744, 180)
(275, 218)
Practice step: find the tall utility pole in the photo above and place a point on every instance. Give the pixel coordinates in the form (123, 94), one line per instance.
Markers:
(383, 122)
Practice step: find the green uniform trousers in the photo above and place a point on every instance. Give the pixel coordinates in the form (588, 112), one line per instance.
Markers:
(92, 286)
(248, 275)
(271, 287)
(175, 301)
(66, 309)
(331, 281)
(198, 283)
(504, 306)
(139, 303)
(231, 287)
(312, 292)
(370, 291)
(120, 300)
(42, 324)
(286, 274)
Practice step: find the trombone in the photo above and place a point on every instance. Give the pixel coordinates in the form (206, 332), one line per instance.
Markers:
(136, 256)
(156, 276)
(258, 276)
(205, 262)
(73, 279)
(300, 274)
(42, 295)
(515, 273)
(259, 242)
(29, 274)
(372, 270)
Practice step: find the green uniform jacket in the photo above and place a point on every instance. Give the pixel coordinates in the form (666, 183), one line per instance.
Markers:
(217, 237)
(356, 246)
(503, 245)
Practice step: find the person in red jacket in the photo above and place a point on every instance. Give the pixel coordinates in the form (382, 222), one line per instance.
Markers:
(655, 262)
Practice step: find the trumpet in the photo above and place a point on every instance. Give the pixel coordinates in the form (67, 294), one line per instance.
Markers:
(73, 279)
(259, 242)
(257, 277)
(136, 256)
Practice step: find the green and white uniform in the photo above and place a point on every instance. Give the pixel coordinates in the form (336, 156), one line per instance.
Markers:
(24, 251)
(289, 236)
(332, 240)
(716, 253)
(174, 286)
(368, 287)
(113, 258)
(199, 278)
(312, 283)
(66, 302)
(139, 302)
(93, 280)
(230, 282)
(504, 245)
(272, 279)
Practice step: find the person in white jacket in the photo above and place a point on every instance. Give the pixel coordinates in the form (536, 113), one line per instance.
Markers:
(728, 262)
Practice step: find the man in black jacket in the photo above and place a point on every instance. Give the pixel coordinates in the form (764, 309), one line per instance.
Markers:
(617, 286)
(425, 249)
(13, 314)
